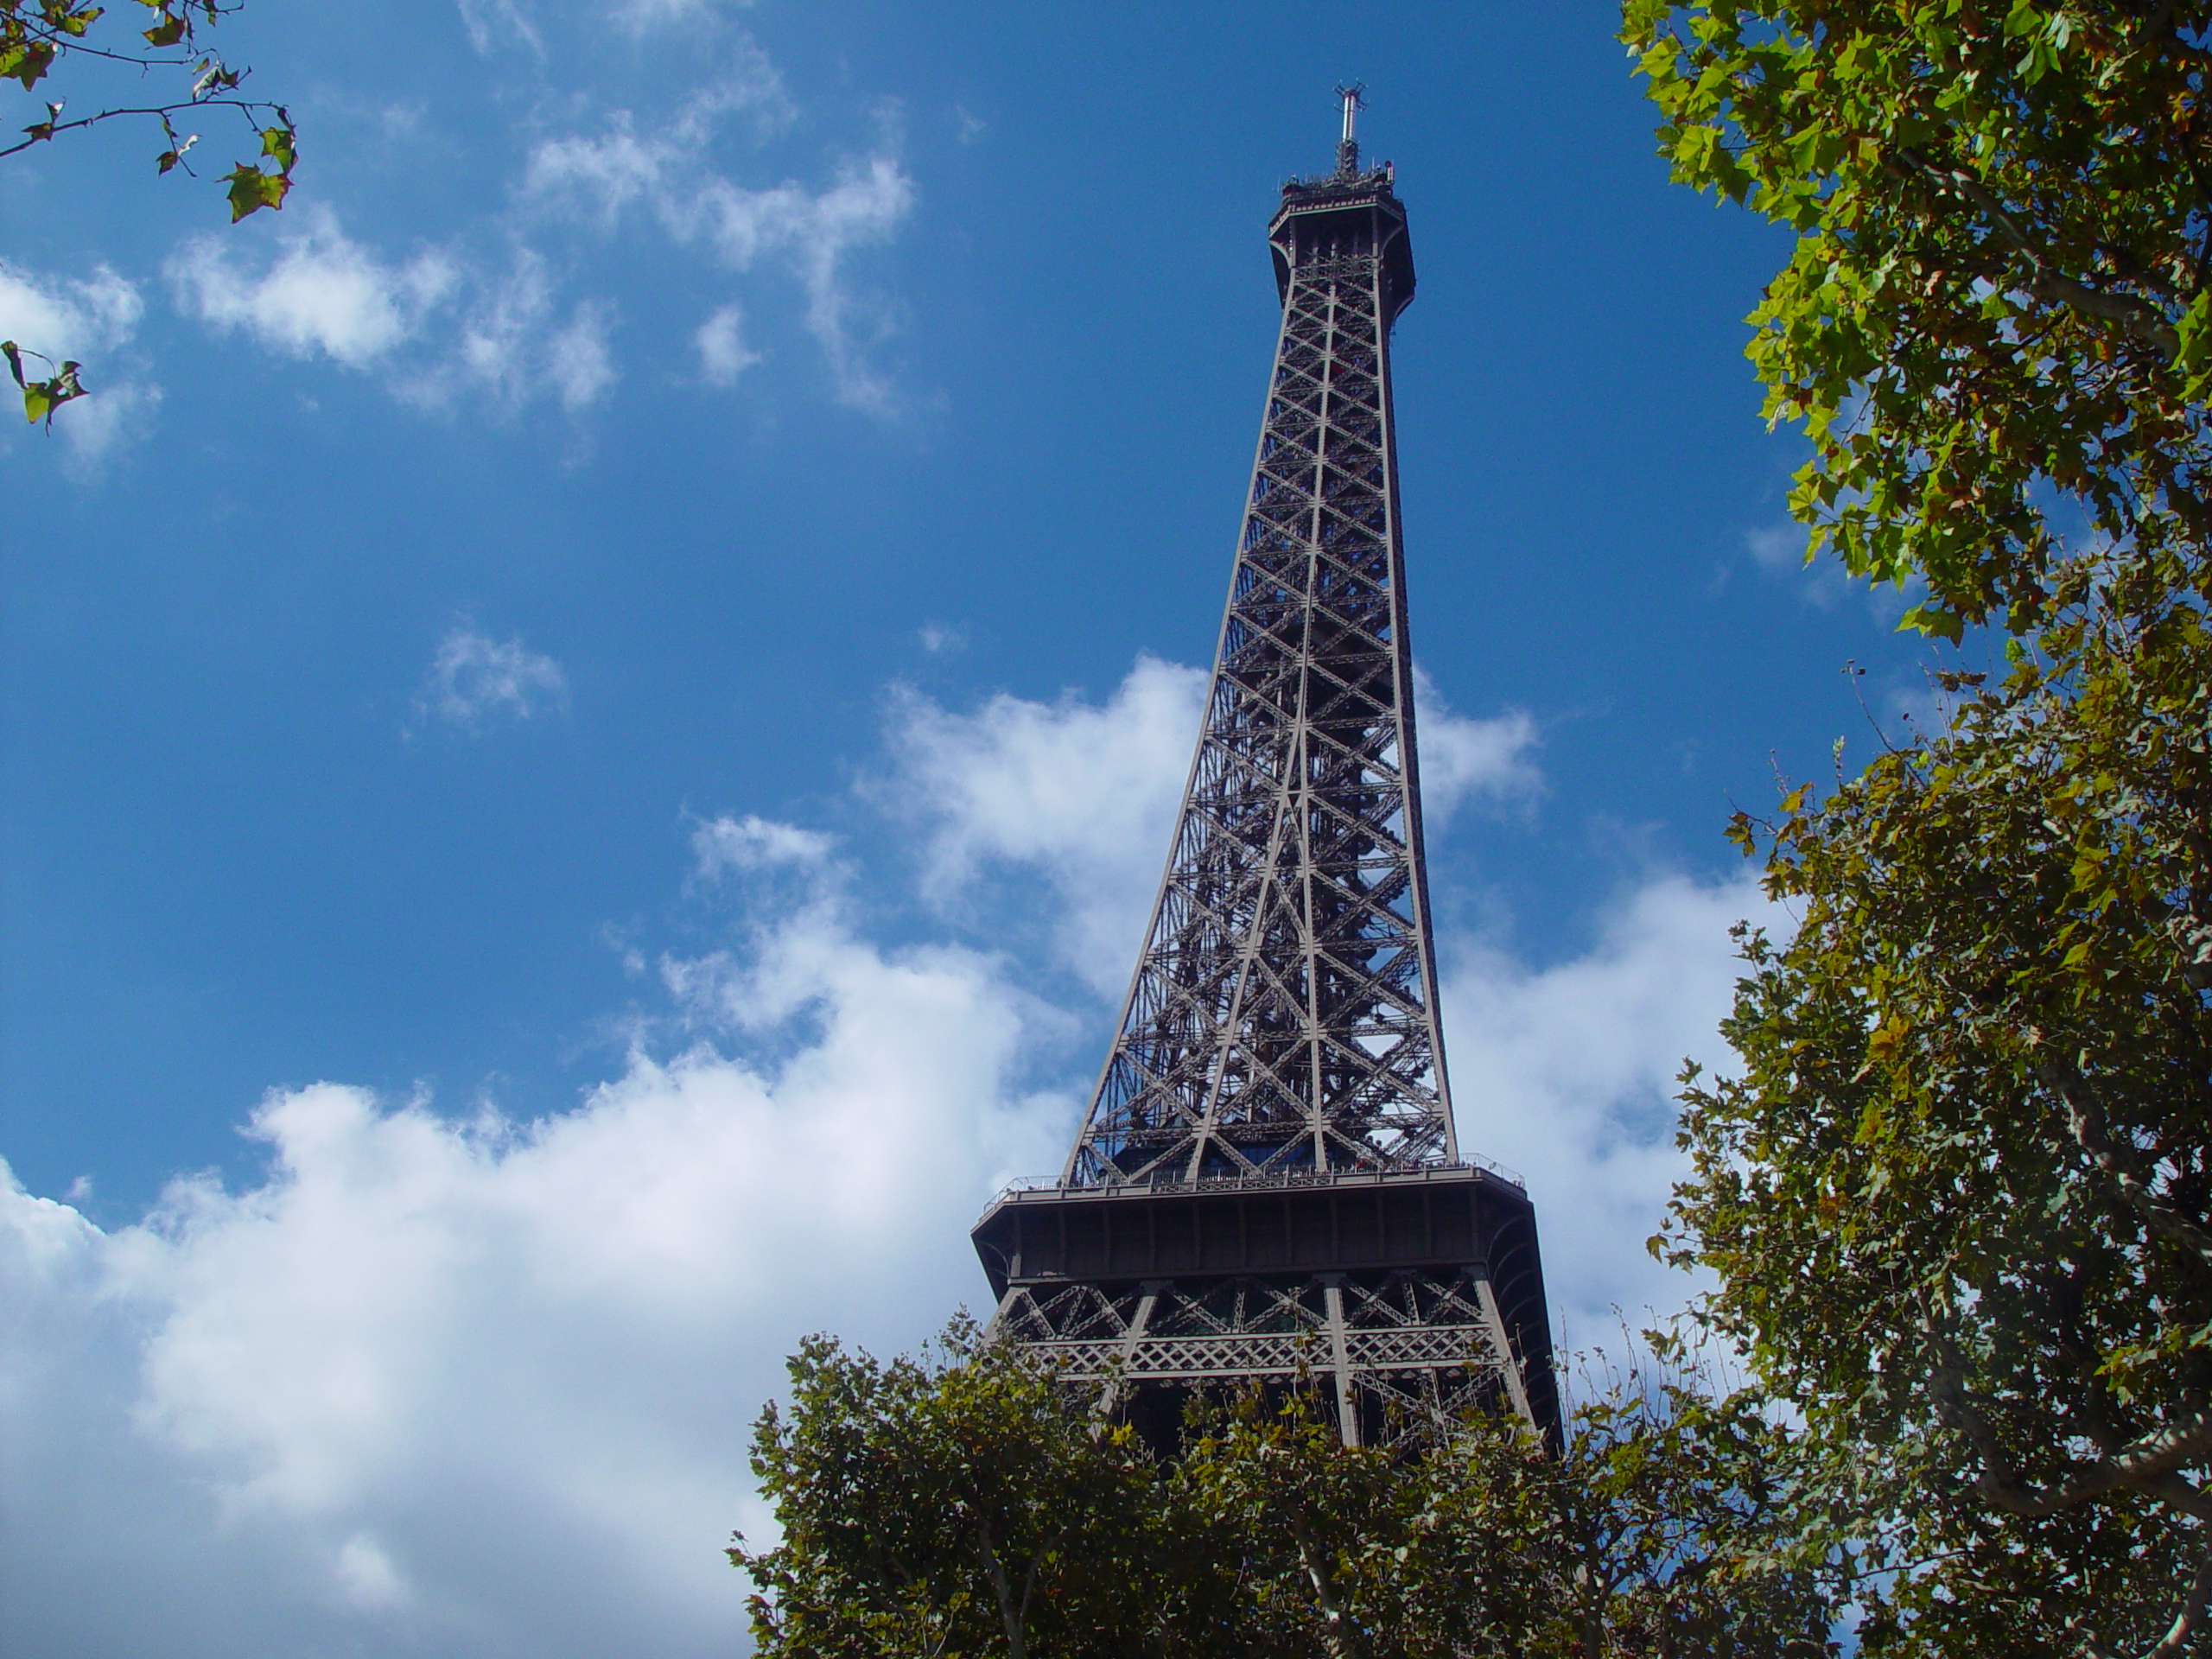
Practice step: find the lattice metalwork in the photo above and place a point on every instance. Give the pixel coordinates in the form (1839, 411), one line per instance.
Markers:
(1405, 1351)
(1267, 1186)
(1282, 1015)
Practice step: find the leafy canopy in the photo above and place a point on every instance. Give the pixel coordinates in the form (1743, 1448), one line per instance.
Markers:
(1958, 1199)
(969, 1503)
(1994, 326)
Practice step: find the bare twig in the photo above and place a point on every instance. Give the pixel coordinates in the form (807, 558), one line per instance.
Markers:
(45, 132)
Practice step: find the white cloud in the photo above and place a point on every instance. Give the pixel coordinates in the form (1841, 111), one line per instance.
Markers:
(1566, 1074)
(1464, 760)
(87, 319)
(108, 418)
(321, 293)
(68, 317)
(480, 1387)
(491, 22)
(646, 16)
(596, 180)
(1085, 793)
(474, 677)
(578, 366)
(1777, 547)
(723, 355)
(753, 843)
(325, 293)
(483, 1387)
(475, 334)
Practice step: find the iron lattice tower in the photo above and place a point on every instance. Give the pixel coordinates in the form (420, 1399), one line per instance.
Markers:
(1268, 1183)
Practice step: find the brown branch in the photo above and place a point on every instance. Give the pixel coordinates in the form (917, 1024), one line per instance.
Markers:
(2144, 1465)
(2177, 1639)
(1017, 1643)
(2138, 317)
(1333, 1622)
(44, 132)
(2085, 1117)
(2177, 1491)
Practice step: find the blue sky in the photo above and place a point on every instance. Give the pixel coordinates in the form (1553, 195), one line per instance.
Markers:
(612, 679)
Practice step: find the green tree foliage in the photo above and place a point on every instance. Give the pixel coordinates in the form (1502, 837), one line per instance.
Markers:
(959, 1506)
(969, 1503)
(1995, 325)
(1960, 1201)
(42, 41)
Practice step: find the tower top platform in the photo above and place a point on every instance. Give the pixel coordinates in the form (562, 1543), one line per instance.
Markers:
(1350, 210)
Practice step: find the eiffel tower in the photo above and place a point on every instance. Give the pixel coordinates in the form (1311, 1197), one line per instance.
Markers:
(1267, 1187)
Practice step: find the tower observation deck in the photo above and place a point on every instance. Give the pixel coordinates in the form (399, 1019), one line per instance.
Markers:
(1269, 1184)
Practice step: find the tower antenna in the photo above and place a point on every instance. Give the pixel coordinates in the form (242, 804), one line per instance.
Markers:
(1355, 99)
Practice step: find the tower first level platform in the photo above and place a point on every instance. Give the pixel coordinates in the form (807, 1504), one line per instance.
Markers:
(1412, 1295)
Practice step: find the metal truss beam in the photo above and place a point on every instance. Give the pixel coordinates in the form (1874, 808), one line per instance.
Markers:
(1278, 1045)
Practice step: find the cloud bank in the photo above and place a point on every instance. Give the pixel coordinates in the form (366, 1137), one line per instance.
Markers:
(443, 1380)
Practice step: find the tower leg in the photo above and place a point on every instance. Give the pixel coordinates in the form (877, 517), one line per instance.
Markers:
(1110, 1396)
(1501, 1345)
(1333, 1299)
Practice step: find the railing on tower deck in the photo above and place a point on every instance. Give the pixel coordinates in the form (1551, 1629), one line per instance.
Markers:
(1512, 1178)
(1382, 176)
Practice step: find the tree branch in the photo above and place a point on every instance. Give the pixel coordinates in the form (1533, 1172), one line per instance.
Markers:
(2144, 1465)
(2085, 1117)
(45, 132)
(1333, 1623)
(1017, 1645)
(2139, 317)
(2176, 1641)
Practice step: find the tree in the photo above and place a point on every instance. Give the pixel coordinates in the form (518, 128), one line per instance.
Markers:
(40, 39)
(1359, 1551)
(959, 1504)
(969, 1503)
(1960, 1200)
(1995, 325)
(1675, 1506)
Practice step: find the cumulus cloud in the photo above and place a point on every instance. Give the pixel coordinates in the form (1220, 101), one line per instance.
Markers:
(321, 293)
(68, 317)
(752, 843)
(1566, 1074)
(1466, 760)
(475, 679)
(471, 329)
(505, 337)
(87, 319)
(1084, 793)
(458, 1383)
(482, 1386)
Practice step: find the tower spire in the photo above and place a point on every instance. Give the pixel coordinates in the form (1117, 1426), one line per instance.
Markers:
(1268, 1185)
(1354, 98)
